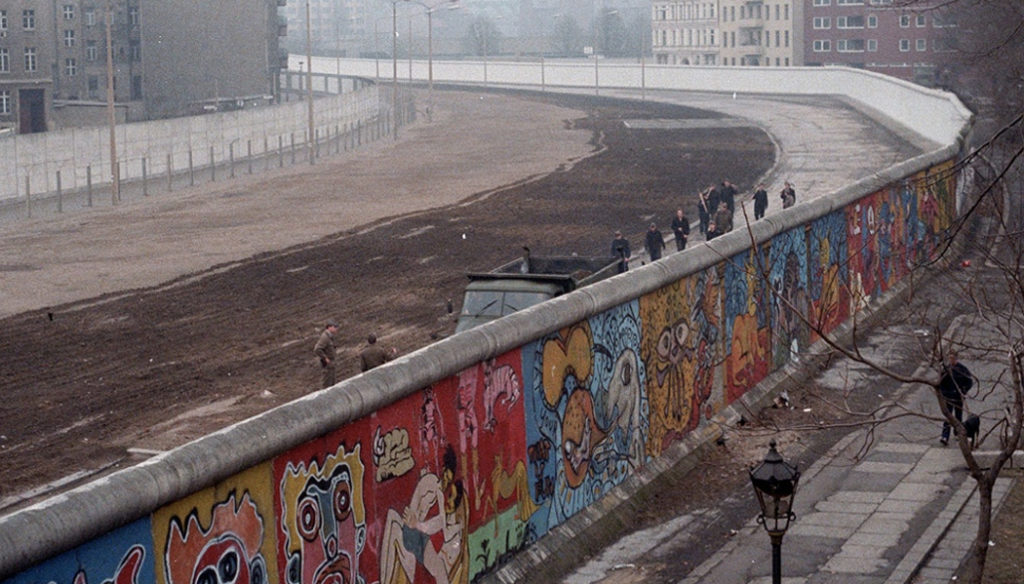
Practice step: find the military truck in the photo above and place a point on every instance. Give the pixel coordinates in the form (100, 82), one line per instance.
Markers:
(527, 281)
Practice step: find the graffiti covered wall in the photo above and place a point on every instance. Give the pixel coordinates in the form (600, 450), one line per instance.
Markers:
(448, 482)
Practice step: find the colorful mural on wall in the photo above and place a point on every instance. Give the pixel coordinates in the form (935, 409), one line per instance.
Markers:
(449, 482)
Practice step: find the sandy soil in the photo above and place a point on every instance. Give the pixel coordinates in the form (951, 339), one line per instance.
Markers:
(136, 329)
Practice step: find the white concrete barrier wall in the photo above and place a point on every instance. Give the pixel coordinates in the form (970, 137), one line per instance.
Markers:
(938, 116)
(75, 152)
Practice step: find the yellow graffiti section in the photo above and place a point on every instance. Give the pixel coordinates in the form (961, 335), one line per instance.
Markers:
(569, 354)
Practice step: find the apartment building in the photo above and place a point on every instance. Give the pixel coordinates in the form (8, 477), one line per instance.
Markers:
(28, 54)
(752, 33)
(685, 32)
(909, 41)
(761, 33)
(167, 56)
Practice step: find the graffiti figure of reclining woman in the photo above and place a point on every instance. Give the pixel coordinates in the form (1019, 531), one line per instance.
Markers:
(436, 507)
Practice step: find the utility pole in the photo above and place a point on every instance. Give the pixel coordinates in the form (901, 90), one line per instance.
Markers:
(311, 141)
(115, 169)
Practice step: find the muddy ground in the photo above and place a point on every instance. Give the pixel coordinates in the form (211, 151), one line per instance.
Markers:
(146, 367)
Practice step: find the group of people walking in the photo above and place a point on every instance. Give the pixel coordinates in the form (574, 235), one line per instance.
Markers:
(716, 206)
(372, 355)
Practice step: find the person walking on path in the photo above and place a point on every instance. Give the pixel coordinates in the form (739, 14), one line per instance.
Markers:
(704, 210)
(325, 352)
(620, 250)
(788, 195)
(681, 229)
(374, 355)
(722, 222)
(654, 243)
(727, 195)
(760, 201)
(954, 384)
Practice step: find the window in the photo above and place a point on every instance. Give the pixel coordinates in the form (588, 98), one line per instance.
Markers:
(904, 21)
(786, 36)
(5, 60)
(849, 2)
(69, 37)
(821, 22)
(850, 45)
(776, 12)
(28, 19)
(777, 38)
(922, 44)
(944, 45)
(786, 17)
(5, 102)
(69, 12)
(940, 20)
(822, 46)
(920, 20)
(822, 2)
(70, 67)
(90, 51)
(133, 16)
(904, 45)
(881, 2)
(872, 45)
(3, 20)
(90, 17)
(849, 22)
(30, 59)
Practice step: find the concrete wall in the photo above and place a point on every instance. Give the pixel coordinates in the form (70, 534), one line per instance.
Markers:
(446, 461)
(935, 115)
(39, 157)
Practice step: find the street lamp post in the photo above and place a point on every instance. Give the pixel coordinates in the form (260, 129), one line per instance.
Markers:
(775, 482)
(394, 67)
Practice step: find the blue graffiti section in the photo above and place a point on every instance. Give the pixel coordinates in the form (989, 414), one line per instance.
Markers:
(123, 556)
(587, 415)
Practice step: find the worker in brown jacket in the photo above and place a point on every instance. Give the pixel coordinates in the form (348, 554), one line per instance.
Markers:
(373, 355)
(325, 352)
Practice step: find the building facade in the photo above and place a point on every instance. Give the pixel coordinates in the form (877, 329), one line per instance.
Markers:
(167, 56)
(28, 57)
(750, 33)
(758, 33)
(909, 41)
(685, 32)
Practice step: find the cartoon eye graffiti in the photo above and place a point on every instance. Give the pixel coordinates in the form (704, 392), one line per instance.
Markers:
(342, 501)
(225, 572)
(258, 572)
(681, 331)
(309, 519)
(227, 567)
(665, 343)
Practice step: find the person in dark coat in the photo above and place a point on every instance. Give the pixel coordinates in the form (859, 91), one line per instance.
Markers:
(727, 195)
(954, 384)
(654, 243)
(788, 196)
(325, 352)
(681, 229)
(704, 210)
(721, 223)
(620, 250)
(760, 201)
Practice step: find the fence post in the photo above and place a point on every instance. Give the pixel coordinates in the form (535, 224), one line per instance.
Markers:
(231, 159)
(145, 176)
(293, 148)
(248, 148)
(213, 167)
(60, 195)
(170, 186)
(280, 151)
(28, 196)
(191, 170)
(88, 184)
